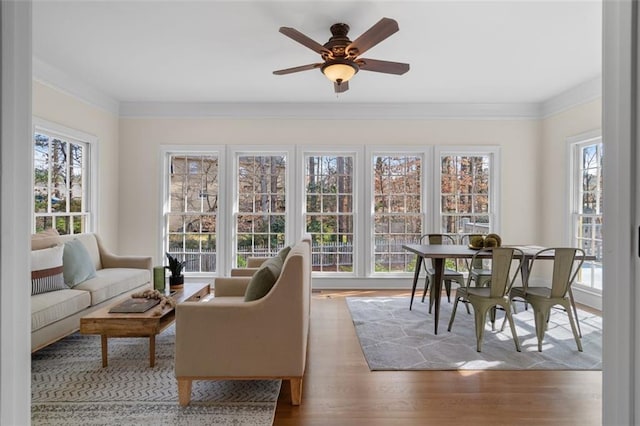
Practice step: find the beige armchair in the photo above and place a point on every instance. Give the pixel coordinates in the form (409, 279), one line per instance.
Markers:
(228, 338)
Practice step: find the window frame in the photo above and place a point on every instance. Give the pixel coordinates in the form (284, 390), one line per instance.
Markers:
(236, 151)
(90, 183)
(426, 154)
(495, 189)
(300, 223)
(574, 147)
(166, 151)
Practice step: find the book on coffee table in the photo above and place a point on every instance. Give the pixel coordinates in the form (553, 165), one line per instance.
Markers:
(134, 305)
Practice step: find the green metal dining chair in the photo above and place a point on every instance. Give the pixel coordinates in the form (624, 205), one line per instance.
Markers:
(484, 299)
(566, 265)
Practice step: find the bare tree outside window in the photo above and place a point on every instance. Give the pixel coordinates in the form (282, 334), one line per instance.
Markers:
(261, 214)
(465, 194)
(588, 209)
(329, 215)
(397, 201)
(60, 171)
(193, 211)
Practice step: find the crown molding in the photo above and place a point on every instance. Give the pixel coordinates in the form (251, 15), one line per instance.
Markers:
(60, 80)
(578, 95)
(329, 111)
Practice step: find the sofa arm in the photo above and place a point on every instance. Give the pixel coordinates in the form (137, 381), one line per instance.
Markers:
(110, 260)
(256, 262)
(230, 287)
(243, 272)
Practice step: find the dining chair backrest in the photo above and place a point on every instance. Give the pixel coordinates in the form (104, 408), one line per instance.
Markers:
(437, 239)
(565, 267)
(465, 239)
(502, 274)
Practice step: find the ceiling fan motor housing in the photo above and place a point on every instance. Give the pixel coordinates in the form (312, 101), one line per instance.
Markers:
(339, 41)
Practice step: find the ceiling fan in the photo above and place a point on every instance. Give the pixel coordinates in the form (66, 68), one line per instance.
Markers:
(341, 55)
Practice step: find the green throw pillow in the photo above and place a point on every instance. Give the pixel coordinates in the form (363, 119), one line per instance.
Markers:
(77, 263)
(282, 254)
(263, 280)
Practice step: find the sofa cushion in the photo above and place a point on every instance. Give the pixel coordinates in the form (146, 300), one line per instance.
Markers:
(51, 307)
(47, 270)
(45, 239)
(263, 280)
(111, 282)
(77, 263)
(91, 244)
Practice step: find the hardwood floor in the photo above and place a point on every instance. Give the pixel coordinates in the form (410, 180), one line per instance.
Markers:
(339, 388)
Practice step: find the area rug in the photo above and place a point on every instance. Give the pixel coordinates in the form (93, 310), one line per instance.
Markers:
(394, 338)
(70, 387)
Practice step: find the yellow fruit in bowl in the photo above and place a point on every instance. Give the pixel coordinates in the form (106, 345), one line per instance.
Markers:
(495, 237)
(491, 242)
(476, 241)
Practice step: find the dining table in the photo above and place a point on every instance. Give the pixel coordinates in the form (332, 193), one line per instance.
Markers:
(438, 253)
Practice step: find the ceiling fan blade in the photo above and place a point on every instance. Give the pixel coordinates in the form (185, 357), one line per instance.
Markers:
(382, 66)
(342, 87)
(297, 69)
(304, 40)
(374, 35)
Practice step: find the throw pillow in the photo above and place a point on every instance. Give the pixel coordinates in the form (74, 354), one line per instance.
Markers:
(45, 239)
(46, 270)
(282, 254)
(263, 280)
(78, 266)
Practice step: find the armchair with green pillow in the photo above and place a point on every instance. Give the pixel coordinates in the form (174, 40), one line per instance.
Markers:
(255, 327)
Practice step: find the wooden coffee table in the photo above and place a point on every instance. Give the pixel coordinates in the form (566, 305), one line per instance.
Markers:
(138, 324)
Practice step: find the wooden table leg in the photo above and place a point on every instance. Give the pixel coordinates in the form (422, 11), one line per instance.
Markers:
(152, 350)
(416, 275)
(105, 349)
(438, 265)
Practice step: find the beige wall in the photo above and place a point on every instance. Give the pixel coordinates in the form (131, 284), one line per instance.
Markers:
(554, 167)
(61, 108)
(141, 139)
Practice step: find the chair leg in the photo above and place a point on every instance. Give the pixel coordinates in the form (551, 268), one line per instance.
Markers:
(541, 324)
(480, 319)
(426, 287)
(447, 286)
(575, 311)
(509, 316)
(184, 391)
(492, 317)
(296, 390)
(453, 312)
(573, 327)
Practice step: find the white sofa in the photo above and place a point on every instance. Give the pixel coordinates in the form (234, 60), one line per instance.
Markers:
(56, 314)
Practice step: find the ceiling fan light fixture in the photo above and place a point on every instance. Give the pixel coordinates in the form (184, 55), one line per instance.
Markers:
(339, 71)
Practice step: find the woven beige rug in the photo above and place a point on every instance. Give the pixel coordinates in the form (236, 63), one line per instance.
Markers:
(70, 387)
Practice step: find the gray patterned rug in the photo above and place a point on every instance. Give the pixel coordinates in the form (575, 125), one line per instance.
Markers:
(394, 338)
(70, 387)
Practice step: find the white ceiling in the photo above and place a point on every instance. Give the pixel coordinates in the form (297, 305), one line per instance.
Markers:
(225, 51)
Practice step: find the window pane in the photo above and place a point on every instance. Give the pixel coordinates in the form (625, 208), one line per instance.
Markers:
(59, 170)
(260, 224)
(193, 206)
(465, 193)
(329, 216)
(397, 210)
(587, 211)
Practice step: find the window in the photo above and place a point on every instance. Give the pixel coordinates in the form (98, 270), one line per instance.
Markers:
(192, 216)
(397, 210)
(61, 179)
(261, 206)
(587, 208)
(465, 193)
(329, 217)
